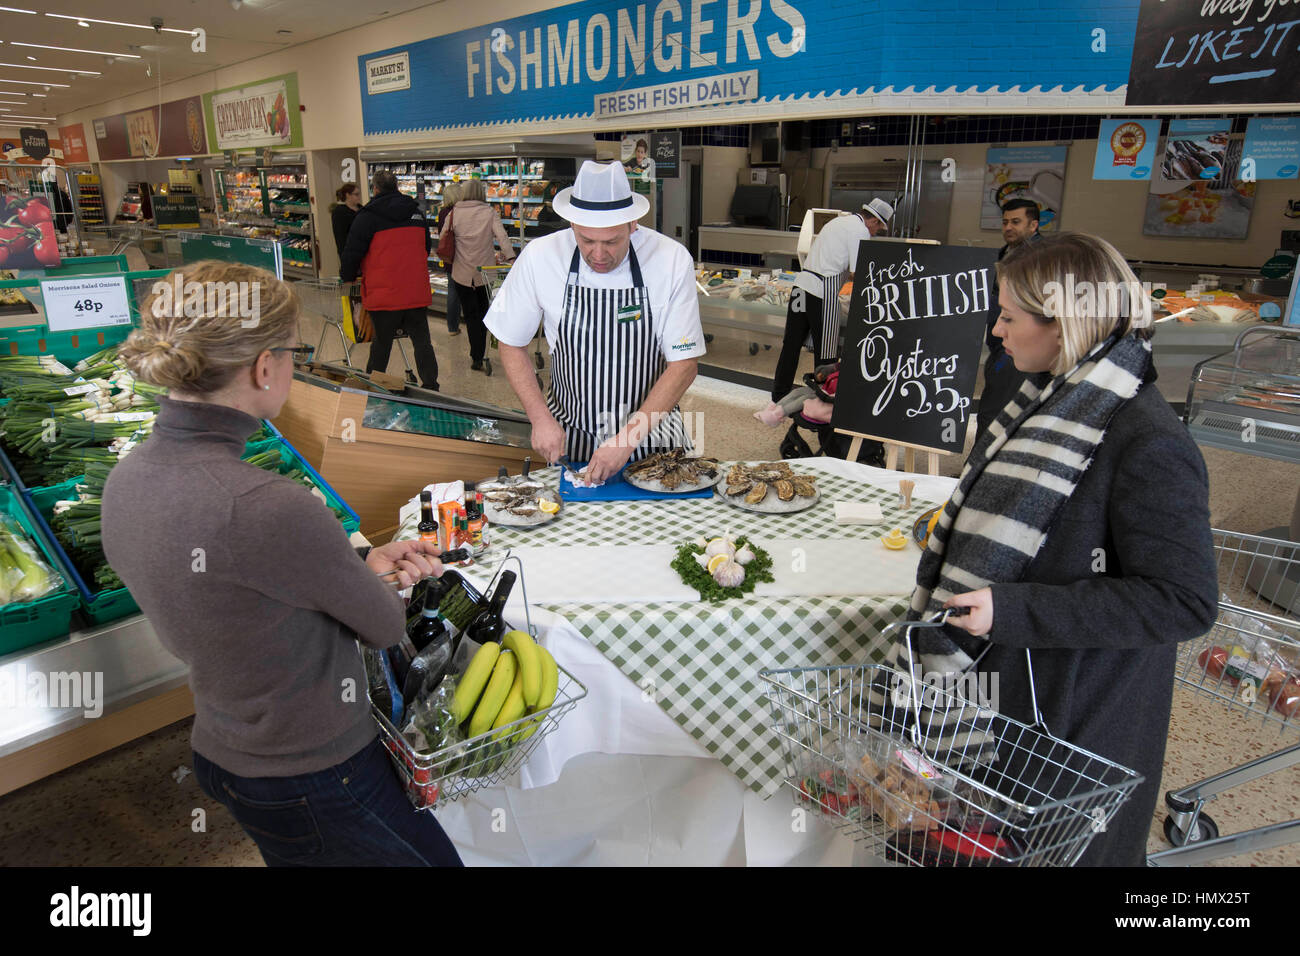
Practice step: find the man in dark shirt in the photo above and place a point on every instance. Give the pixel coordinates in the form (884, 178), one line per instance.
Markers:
(1001, 380)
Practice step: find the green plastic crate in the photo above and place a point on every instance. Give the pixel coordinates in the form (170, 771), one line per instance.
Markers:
(68, 347)
(100, 607)
(22, 625)
(289, 456)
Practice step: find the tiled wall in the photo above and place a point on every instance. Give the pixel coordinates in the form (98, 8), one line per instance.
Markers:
(700, 136)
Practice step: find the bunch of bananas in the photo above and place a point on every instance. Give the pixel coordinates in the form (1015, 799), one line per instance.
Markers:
(502, 684)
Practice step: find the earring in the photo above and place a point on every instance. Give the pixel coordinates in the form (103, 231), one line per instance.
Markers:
(266, 388)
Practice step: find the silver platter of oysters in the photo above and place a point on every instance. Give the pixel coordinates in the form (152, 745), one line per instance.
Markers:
(674, 472)
(514, 501)
(768, 487)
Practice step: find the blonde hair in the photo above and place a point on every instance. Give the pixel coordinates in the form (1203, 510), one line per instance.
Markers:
(207, 320)
(1080, 282)
(472, 190)
(451, 195)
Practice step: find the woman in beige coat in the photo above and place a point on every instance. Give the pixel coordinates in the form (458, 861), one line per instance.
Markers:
(475, 223)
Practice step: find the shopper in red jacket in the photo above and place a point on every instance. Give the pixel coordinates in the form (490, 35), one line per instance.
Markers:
(388, 246)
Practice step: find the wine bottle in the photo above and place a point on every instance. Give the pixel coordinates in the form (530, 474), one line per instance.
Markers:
(428, 528)
(489, 625)
(425, 627)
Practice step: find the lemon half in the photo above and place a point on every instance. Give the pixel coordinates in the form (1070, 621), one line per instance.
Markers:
(547, 506)
(717, 561)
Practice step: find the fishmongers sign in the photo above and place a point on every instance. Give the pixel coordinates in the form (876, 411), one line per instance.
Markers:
(676, 96)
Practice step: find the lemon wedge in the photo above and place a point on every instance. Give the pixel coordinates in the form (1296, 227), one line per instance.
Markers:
(547, 506)
(717, 561)
(895, 540)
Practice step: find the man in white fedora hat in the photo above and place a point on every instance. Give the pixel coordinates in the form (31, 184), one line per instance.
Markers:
(814, 302)
(618, 307)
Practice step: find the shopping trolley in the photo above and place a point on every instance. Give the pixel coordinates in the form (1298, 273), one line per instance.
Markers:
(494, 276)
(1249, 663)
(336, 302)
(460, 768)
(863, 748)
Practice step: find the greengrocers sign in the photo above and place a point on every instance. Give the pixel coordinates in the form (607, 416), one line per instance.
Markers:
(575, 61)
(262, 114)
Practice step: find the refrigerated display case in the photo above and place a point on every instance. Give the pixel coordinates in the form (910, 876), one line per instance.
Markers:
(373, 443)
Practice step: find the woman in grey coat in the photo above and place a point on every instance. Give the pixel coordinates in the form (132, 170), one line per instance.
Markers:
(1080, 528)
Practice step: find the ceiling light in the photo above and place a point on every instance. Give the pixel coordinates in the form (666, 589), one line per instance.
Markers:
(29, 83)
(42, 119)
(41, 95)
(52, 69)
(70, 49)
(87, 21)
(15, 10)
(32, 58)
(14, 102)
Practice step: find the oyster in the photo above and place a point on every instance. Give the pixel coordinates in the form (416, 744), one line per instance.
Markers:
(672, 469)
(739, 489)
(785, 490)
(757, 493)
(804, 485)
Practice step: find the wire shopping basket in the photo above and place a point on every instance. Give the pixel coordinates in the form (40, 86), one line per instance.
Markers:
(1249, 663)
(946, 783)
(460, 768)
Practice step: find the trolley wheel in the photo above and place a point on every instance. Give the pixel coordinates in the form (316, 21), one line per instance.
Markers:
(487, 365)
(1206, 829)
(539, 361)
(753, 348)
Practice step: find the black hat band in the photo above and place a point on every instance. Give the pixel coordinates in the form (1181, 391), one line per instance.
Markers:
(588, 204)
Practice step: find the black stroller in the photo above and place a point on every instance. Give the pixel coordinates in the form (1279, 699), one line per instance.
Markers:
(828, 442)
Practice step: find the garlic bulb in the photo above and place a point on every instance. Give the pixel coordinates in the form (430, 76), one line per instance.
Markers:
(744, 556)
(720, 546)
(729, 574)
(702, 560)
(702, 541)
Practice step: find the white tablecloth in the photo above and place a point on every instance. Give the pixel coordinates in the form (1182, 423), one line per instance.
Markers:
(658, 797)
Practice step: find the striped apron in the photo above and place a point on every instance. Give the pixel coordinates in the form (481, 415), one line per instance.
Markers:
(604, 362)
(826, 331)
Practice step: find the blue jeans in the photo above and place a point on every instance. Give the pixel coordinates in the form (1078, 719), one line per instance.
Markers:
(353, 814)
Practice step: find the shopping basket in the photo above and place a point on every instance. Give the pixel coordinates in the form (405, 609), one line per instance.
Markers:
(459, 769)
(860, 751)
(1248, 663)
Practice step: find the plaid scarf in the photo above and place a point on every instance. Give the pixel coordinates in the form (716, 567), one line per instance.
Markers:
(1018, 478)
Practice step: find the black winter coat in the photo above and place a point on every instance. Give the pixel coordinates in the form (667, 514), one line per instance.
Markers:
(1126, 572)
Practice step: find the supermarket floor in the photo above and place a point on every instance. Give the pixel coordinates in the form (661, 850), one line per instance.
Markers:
(134, 806)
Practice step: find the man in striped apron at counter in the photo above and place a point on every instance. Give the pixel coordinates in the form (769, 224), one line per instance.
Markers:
(815, 300)
(618, 306)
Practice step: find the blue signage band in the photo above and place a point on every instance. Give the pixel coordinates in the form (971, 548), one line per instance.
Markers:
(588, 204)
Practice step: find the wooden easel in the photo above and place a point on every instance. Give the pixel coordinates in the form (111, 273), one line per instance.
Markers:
(891, 452)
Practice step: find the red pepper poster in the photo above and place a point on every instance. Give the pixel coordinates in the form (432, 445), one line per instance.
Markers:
(27, 239)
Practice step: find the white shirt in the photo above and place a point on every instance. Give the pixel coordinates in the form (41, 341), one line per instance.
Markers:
(534, 291)
(834, 251)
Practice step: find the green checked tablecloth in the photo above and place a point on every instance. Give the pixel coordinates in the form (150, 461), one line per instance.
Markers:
(700, 662)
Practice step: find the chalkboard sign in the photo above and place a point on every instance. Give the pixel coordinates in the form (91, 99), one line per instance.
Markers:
(912, 345)
(1186, 51)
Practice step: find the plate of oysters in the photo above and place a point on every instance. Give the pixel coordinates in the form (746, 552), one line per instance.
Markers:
(768, 487)
(673, 471)
(518, 501)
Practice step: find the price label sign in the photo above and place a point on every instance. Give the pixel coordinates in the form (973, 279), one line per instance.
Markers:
(85, 303)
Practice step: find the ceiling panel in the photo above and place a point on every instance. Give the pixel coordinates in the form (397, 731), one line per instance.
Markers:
(126, 61)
